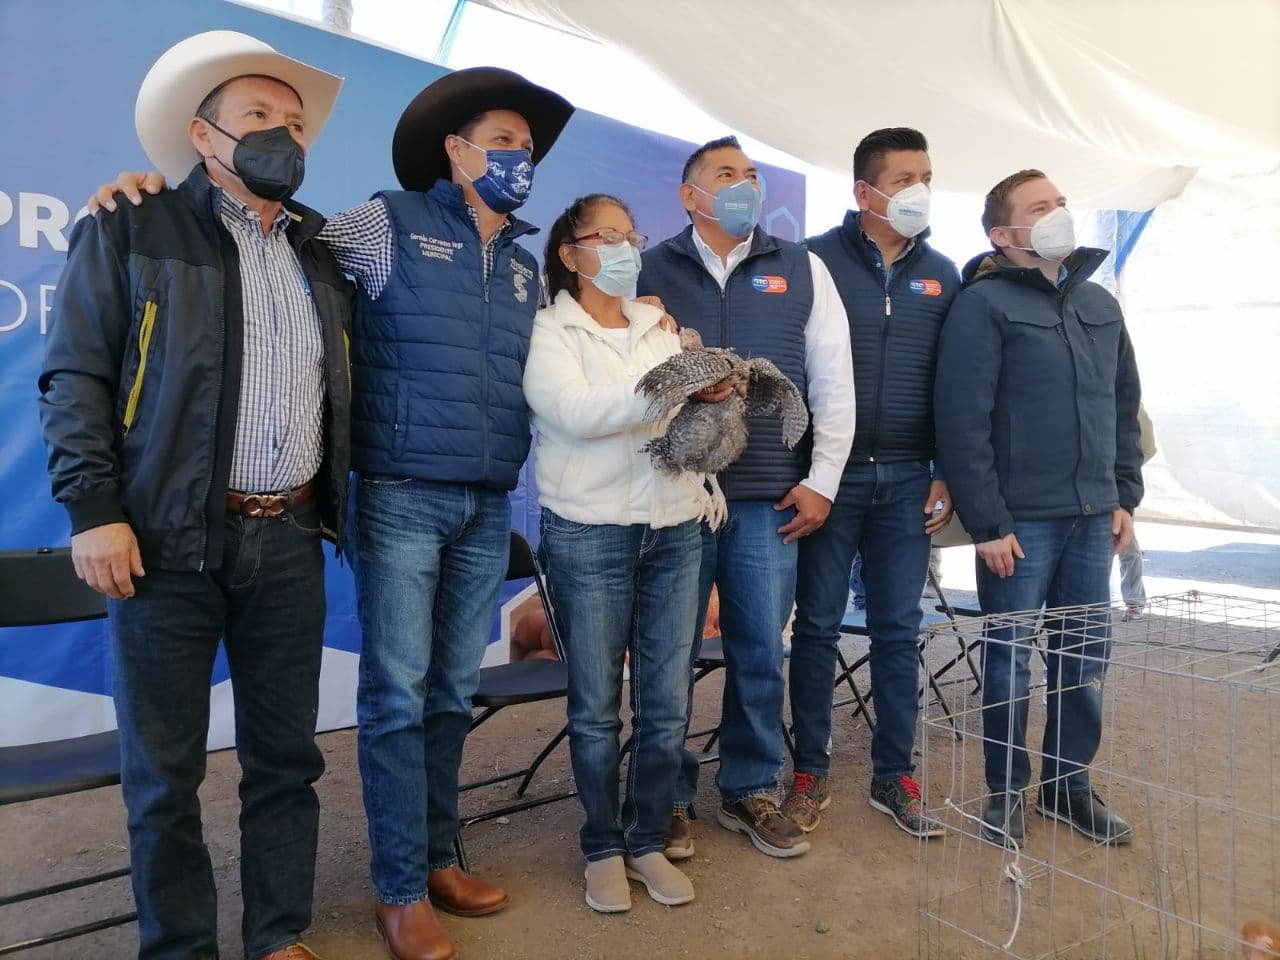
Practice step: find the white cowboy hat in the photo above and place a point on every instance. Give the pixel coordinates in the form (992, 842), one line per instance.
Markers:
(187, 72)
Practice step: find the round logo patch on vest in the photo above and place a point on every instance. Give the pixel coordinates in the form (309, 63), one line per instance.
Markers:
(929, 288)
(769, 284)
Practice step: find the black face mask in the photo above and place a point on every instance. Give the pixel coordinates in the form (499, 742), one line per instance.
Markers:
(269, 162)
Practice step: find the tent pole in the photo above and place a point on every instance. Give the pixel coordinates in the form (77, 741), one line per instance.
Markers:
(450, 33)
(337, 14)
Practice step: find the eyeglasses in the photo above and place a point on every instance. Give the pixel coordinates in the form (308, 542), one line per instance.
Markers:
(637, 240)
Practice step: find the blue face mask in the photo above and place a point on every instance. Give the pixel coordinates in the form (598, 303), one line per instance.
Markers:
(619, 268)
(505, 184)
(736, 207)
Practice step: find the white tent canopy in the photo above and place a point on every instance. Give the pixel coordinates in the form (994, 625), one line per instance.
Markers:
(1121, 102)
(1128, 104)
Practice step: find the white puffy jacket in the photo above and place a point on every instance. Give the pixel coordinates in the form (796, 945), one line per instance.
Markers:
(580, 386)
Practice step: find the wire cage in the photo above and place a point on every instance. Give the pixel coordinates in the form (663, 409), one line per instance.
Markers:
(1190, 718)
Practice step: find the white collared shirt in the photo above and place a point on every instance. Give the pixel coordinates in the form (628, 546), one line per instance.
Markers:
(828, 361)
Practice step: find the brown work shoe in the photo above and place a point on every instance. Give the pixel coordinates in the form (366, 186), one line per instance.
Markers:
(809, 796)
(298, 951)
(679, 841)
(412, 932)
(770, 831)
(457, 892)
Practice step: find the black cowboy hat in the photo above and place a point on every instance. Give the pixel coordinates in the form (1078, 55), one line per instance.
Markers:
(443, 107)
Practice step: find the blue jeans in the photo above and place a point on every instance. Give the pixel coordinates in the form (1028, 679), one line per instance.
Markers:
(1068, 562)
(755, 573)
(266, 603)
(879, 512)
(1132, 588)
(856, 587)
(622, 590)
(431, 559)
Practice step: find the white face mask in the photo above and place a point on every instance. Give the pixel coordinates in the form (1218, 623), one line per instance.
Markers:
(908, 209)
(1053, 236)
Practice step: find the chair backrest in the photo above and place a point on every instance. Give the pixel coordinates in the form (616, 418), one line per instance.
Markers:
(39, 587)
(522, 564)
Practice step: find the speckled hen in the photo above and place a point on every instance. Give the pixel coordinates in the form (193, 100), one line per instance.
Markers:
(703, 439)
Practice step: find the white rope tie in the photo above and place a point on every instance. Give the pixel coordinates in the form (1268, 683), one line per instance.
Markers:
(1012, 871)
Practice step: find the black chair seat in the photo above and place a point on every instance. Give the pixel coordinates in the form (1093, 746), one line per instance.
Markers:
(524, 681)
(711, 653)
(36, 770)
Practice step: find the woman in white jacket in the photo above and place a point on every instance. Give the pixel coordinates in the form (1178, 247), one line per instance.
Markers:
(620, 545)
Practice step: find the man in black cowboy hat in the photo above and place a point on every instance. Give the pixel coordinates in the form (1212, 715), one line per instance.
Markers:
(440, 431)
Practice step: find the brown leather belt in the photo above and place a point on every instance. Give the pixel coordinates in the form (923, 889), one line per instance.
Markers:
(268, 504)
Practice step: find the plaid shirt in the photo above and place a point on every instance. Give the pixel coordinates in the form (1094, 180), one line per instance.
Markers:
(364, 244)
(279, 439)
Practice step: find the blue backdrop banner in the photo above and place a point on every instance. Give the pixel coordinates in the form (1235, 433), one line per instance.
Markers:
(68, 80)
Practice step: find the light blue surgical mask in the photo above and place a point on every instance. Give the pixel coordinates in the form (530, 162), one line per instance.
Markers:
(619, 268)
(736, 207)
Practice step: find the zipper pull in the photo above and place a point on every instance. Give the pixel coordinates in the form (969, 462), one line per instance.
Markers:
(888, 306)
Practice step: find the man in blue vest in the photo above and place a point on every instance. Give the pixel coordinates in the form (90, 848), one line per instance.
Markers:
(739, 287)
(1037, 408)
(440, 432)
(896, 290)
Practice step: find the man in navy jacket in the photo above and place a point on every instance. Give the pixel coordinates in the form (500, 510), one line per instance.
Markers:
(896, 290)
(1037, 413)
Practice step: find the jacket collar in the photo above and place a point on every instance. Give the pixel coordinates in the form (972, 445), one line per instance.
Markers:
(1081, 264)
(569, 313)
(449, 195)
(205, 196)
(682, 243)
(853, 234)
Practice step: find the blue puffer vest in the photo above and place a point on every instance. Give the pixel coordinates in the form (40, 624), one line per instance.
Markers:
(762, 312)
(894, 332)
(437, 360)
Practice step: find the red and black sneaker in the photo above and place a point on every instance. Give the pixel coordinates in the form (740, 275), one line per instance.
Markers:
(809, 796)
(899, 797)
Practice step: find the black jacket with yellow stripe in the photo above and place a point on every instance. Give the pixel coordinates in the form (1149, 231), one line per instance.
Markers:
(139, 395)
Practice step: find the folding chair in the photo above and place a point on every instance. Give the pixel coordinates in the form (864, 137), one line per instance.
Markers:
(40, 588)
(710, 658)
(863, 700)
(525, 681)
(967, 644)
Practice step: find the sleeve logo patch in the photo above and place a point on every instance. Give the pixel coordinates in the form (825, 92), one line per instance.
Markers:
(768, 284)
(928, 288)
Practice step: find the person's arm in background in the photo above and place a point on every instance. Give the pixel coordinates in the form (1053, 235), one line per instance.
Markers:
(79, 386)
(828, 361)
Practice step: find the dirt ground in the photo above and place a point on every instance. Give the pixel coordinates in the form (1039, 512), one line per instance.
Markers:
(856, 894)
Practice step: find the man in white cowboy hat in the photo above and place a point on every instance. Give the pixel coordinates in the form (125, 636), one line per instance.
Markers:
(195, 404)
(440, 431)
